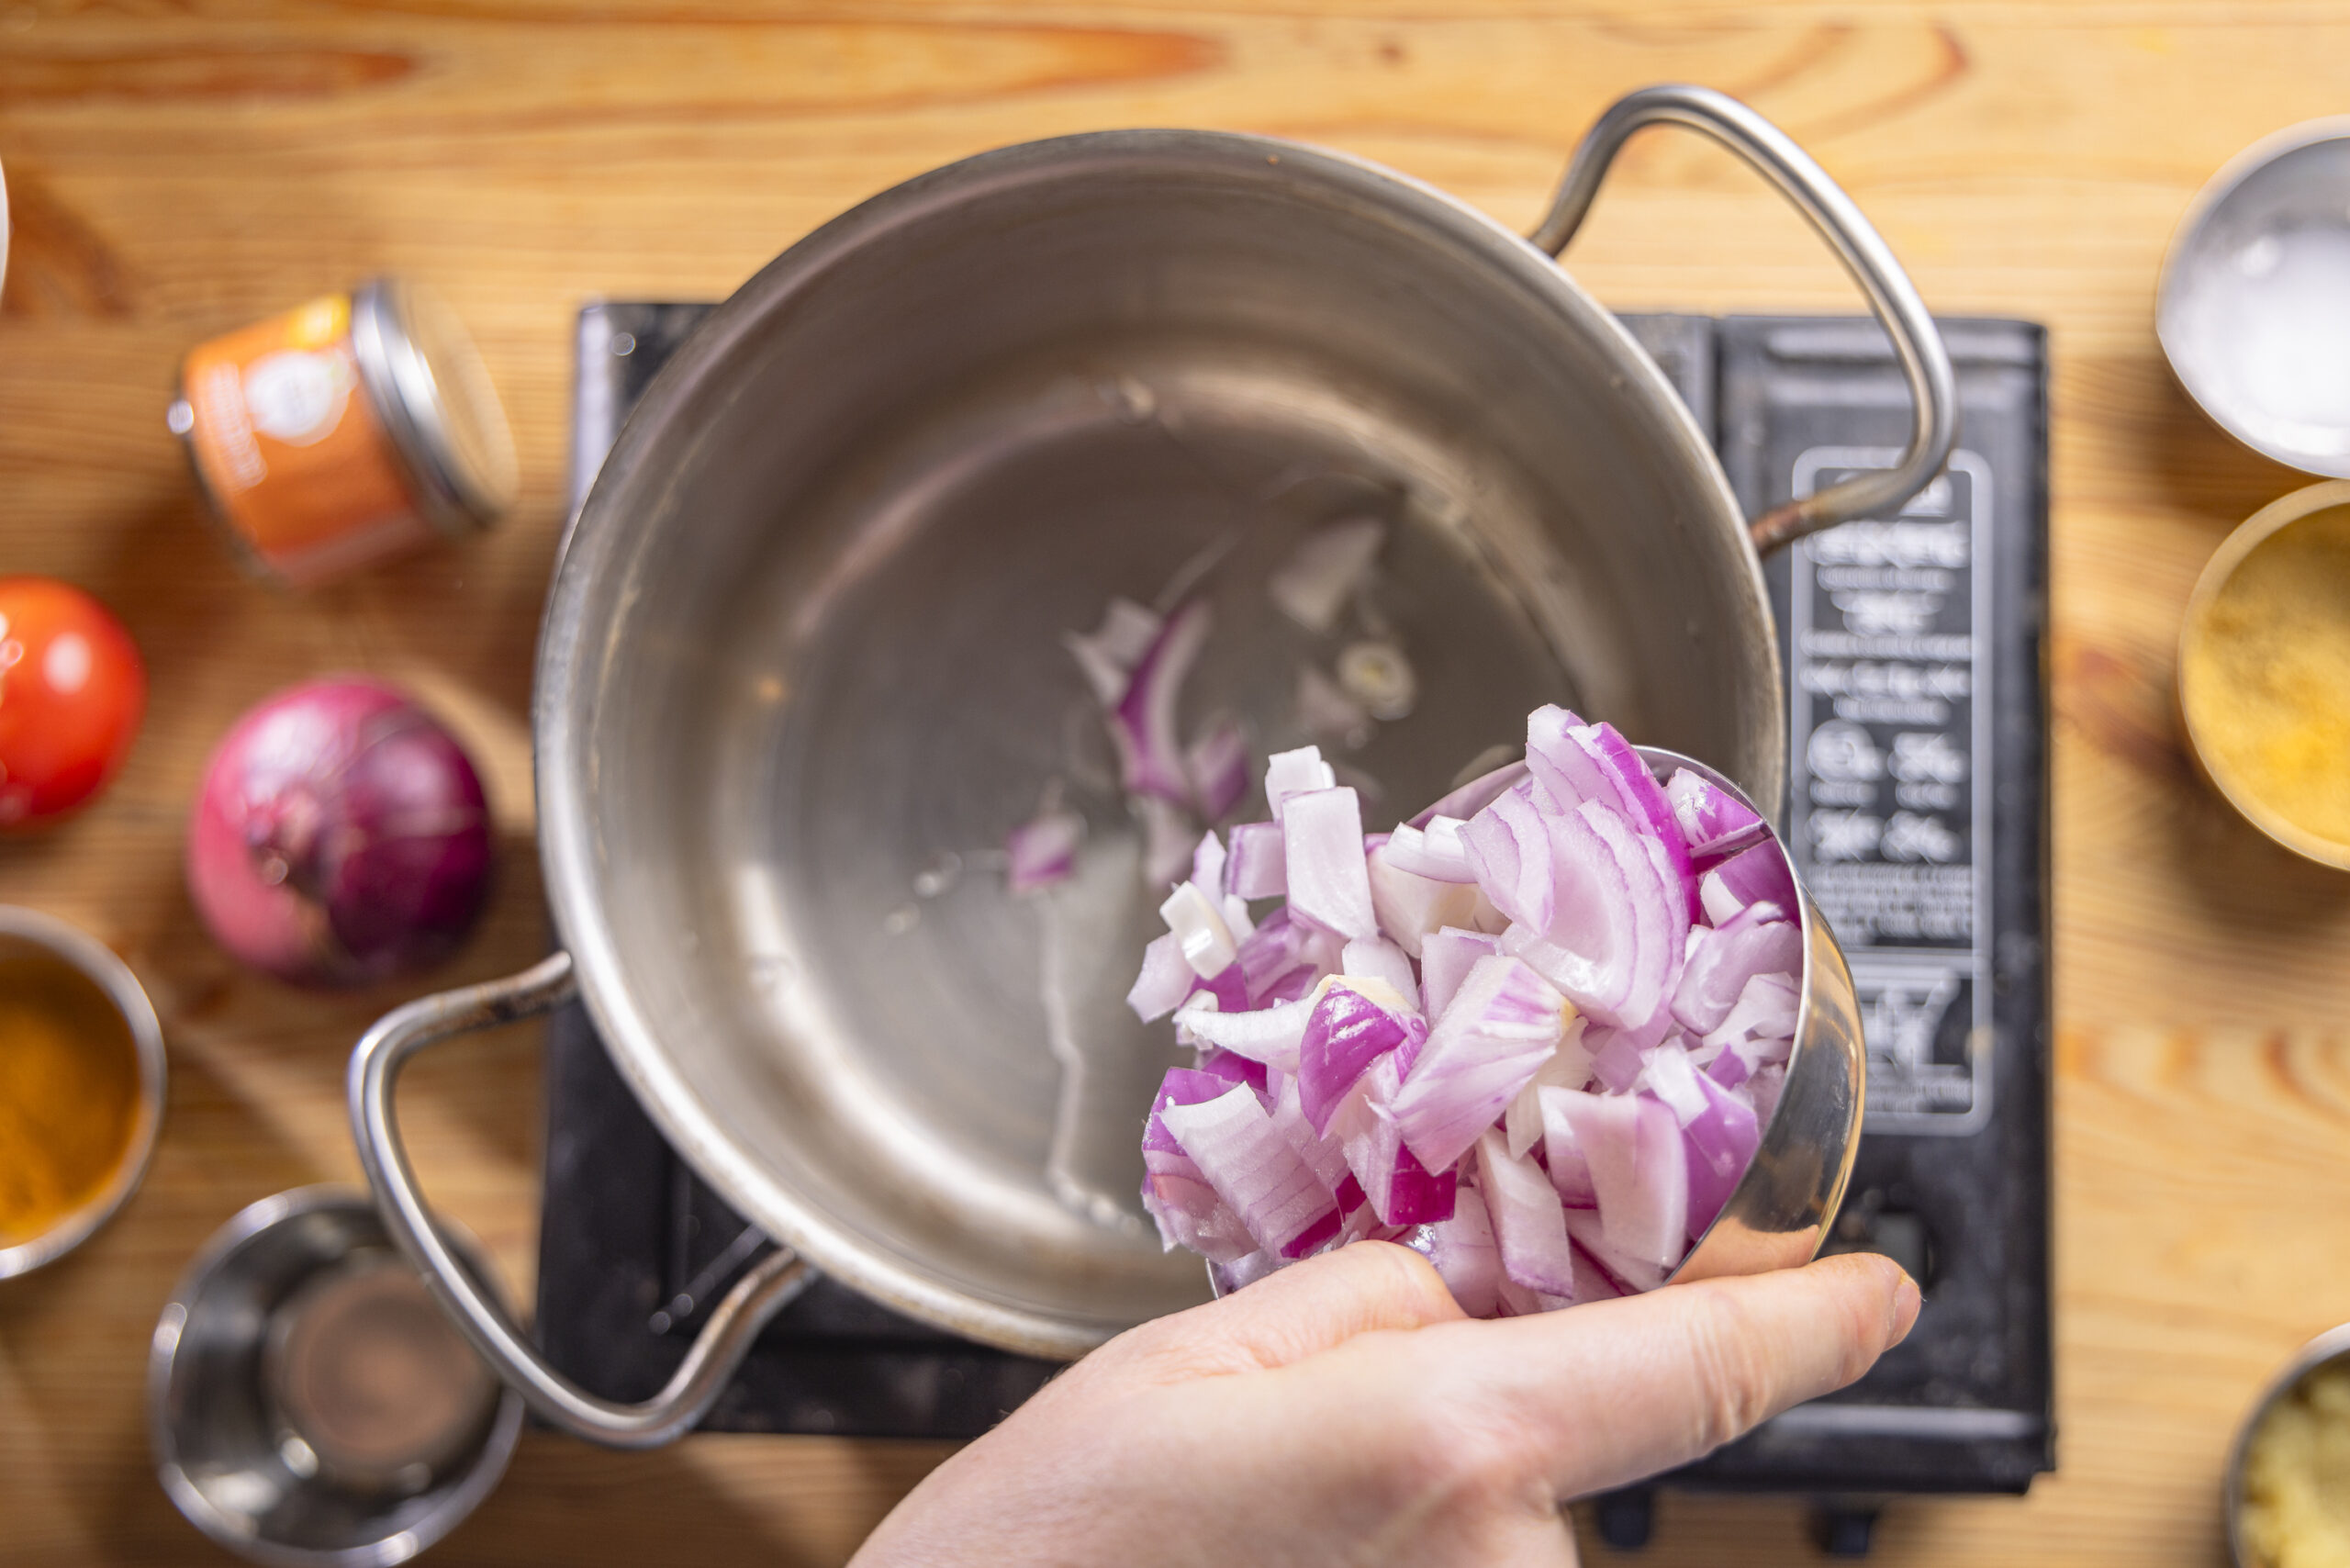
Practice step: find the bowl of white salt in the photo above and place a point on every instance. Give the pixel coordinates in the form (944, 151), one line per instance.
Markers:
(2253, 306)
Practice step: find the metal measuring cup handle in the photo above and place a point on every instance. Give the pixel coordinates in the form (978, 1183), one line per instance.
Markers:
(1769, 152)
(717, 1349)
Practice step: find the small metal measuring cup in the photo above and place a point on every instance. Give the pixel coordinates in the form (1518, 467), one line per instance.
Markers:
(1778, 1215)
(254, 1442)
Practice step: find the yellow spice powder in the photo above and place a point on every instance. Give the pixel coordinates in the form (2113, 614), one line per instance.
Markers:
(69, 1094)
(2266, 683)
(2296, 1509)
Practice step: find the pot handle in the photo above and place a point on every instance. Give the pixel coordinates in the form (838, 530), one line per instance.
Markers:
(1769, 152)
(699, 1379)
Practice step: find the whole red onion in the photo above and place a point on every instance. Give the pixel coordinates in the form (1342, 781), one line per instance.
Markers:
(340, 836)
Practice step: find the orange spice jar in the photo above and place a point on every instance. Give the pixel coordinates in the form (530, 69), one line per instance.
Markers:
(347, 429)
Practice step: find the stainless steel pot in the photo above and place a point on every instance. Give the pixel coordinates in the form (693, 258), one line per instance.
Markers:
(802, 652)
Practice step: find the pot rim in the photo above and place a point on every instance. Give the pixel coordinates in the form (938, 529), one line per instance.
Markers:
(565, 790)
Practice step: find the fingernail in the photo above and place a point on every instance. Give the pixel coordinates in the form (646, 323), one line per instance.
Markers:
(1906, 1302)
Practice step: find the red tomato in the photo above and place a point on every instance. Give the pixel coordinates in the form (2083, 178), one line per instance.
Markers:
(71, 690)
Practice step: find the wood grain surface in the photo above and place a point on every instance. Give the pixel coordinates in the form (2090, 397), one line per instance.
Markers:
(177, 167)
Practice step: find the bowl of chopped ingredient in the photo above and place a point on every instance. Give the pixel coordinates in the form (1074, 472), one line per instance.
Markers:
(2264, 671)
(81, 1087)
(2288, 1471)
(960, 577)
(1572, 1032)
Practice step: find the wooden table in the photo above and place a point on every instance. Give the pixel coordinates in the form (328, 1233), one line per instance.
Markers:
(173, 175)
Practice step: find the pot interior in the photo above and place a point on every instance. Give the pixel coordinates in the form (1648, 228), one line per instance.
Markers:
(804, 667)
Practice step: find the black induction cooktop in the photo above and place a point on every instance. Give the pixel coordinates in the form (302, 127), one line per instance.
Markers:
(1916, 805)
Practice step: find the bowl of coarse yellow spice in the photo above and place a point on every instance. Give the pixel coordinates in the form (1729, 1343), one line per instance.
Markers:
(2289, 1472)
(81, 1087)
(2264, 671)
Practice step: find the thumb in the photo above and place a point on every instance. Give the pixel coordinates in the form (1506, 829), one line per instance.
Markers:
(1613, 1391)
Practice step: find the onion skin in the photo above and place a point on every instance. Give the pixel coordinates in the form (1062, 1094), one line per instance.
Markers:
(339, 837)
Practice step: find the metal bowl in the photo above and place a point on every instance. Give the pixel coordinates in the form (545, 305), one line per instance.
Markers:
(225, 1449)
(22, 932)
(2253, 308)
(2329, 1345)
(2256, 530)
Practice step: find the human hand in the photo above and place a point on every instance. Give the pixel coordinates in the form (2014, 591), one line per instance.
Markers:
(1345, 1411)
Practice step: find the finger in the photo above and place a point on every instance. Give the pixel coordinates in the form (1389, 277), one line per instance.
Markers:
(1605, 1394)
(1293, 1314)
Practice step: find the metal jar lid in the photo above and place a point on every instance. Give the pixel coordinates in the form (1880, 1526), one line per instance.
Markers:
(428, 384)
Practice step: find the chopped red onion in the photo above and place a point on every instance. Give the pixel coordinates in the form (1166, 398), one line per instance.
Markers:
(1502, 1025)
(1217, 766)
(1578, 762)
(1402, 1192)
(1568, 769)
(1349, 1028)
(1465, 1255)
(1437, 851)
(1640, 1171)
(1228, 985)
(1397, 1028)
(1570, 1171)
(1208, 868)
(1270, 1035)
(1275, 949)
(1323, 572)
(1384, 962)
(1329, 880)
(1142, 723)
(1529, 1228)
(1234, 1069)
(1445, 957)
(1298, 772)
(1109, 655)
(1198, 927)
(1625, 1274)
(1416, 1196)
(1721, 1141)
(1252, 1168)
(1759, 875)
(1569, 1068)
(1616, 1062)
(1043, 850)
(1166, 979)
(1258, 866)
(1323, 1157)
(1714, 824)
(1408, 907)
(1615, 940)
(1759, 1030)
(1721, 960)
(1508, 845)
(1592, 1281)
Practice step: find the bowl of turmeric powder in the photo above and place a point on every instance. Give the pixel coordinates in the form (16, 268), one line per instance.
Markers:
(81, 1087)
(2264, 671)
